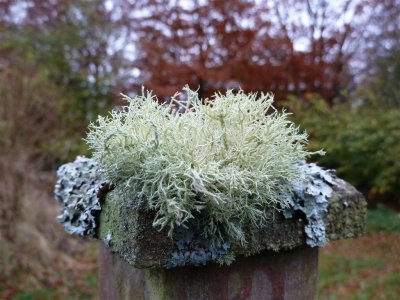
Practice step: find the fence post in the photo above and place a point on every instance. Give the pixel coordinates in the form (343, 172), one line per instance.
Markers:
(270, 275)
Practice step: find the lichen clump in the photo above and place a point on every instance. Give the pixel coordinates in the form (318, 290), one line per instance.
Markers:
(216, 166)
(79, 189)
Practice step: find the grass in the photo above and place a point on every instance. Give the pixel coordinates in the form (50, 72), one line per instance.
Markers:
(365, 268)
(76, 278)
(81, 289)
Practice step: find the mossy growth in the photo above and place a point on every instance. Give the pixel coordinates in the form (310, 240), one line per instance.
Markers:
(215, 164)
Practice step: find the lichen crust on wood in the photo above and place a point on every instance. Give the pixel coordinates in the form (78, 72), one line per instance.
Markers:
(337, 211)
(323, 208)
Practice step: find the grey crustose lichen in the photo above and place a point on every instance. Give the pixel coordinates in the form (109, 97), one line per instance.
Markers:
(79, 190)
(193, 249)
(310, 196)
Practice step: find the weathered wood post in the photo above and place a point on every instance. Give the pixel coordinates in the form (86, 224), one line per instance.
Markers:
(138, 262)
(270, 275)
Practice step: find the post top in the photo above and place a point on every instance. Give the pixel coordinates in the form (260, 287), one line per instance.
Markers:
(323, 208)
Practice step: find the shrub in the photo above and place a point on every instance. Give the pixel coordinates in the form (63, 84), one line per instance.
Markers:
(383, 219)
(217, 164)
(32, 119)
(36, 119)
(362, 143)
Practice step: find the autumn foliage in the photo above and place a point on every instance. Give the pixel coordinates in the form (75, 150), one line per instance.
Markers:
(288, 47)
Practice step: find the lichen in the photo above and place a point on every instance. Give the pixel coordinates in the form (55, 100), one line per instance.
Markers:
(79, 189)
(223, 160)
(127, 229)
(218, 179)
(193, 249)
(310, 195)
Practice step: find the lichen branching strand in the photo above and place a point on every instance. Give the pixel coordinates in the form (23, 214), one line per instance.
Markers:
(232, 156)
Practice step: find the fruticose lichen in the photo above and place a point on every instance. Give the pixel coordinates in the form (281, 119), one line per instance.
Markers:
(221, 161)
(310, 196)
(79, 189)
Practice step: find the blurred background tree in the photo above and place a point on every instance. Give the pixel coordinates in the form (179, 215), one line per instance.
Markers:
(72, 42)
(70, 45)
(57, 71)
(384, 86)
(289, 47)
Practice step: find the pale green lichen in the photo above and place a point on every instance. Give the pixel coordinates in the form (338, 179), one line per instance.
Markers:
(217, 165)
